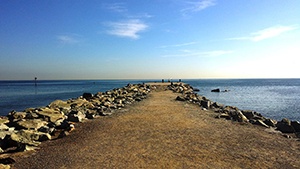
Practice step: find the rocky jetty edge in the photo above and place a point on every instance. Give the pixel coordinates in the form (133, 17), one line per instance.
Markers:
(234, 113)
(21, 131)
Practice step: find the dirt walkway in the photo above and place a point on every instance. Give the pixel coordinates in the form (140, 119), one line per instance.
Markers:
(160, 132)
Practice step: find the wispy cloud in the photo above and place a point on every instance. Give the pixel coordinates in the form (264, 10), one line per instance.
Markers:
(266, 33)
(68, 39)
(140, 15)
(179, 45)
(123, 10)
(116, 7)
(196, 6)
(127, 28)
(189, 53)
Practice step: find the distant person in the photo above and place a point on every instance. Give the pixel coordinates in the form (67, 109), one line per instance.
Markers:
(163, 81)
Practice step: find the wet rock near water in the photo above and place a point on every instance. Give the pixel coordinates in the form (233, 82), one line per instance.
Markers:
(216, 90)
(26, 130)
(233, 113)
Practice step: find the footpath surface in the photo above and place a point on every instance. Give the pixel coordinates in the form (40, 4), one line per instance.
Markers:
(160, 132)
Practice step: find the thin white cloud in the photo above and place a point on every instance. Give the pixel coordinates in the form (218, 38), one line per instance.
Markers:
(189, 53)
(128, 28)
(179, 45)
(266, 33)
(67, 39)
(116, 7)
(123, 10)
(140, 15)
(196, 6)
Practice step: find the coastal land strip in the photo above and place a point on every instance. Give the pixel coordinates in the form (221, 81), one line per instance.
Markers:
(166, 130)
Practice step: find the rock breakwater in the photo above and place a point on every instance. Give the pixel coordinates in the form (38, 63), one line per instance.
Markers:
(20, 131)
(234, 113)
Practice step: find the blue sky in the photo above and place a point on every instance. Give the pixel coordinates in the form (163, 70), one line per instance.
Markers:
(107, 39)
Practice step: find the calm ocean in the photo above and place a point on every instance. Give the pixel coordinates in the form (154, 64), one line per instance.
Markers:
(273, 98)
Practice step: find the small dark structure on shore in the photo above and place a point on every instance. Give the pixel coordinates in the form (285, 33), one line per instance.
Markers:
(35, 81)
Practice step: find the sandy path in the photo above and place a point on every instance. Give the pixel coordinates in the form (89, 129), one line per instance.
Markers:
(160, 132)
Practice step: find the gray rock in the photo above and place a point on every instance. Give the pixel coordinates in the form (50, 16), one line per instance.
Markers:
(217, 105)
(241, 117)
(296, 126)
(50, 115)
(216, 90)
(32, 115)
(223, 115)
(248, 113)
(76, 116)
(15, 116)
(63, 134)
(261, 123)
(4, 133)
(285, 126)
(26, 139)
(3, 126)
(4, 120)
(180, 98)
(196, 90)
(91, 114)
(4, 166)
(60, 124)
(47, 129)
(32, 135)
(270, 122)
(138, 99)
(33, 124)
(60, 104)
(205, 103)
(87, 96)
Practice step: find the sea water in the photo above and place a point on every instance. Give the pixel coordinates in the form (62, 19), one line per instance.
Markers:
(273, 98)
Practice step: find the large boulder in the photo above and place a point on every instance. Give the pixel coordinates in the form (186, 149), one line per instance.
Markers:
(270, 122)
(81, 103)
(248, 113)
(29, 136)
(26, 139)
(50, 115)
(205, 103)
(3, 126)
(4, 120)
(259, 122)
(285, 126)
(296, 126)
(15, 116)
(240, 117)
(60, 104)
(87, 96)
(32, 124)
(76, 116)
